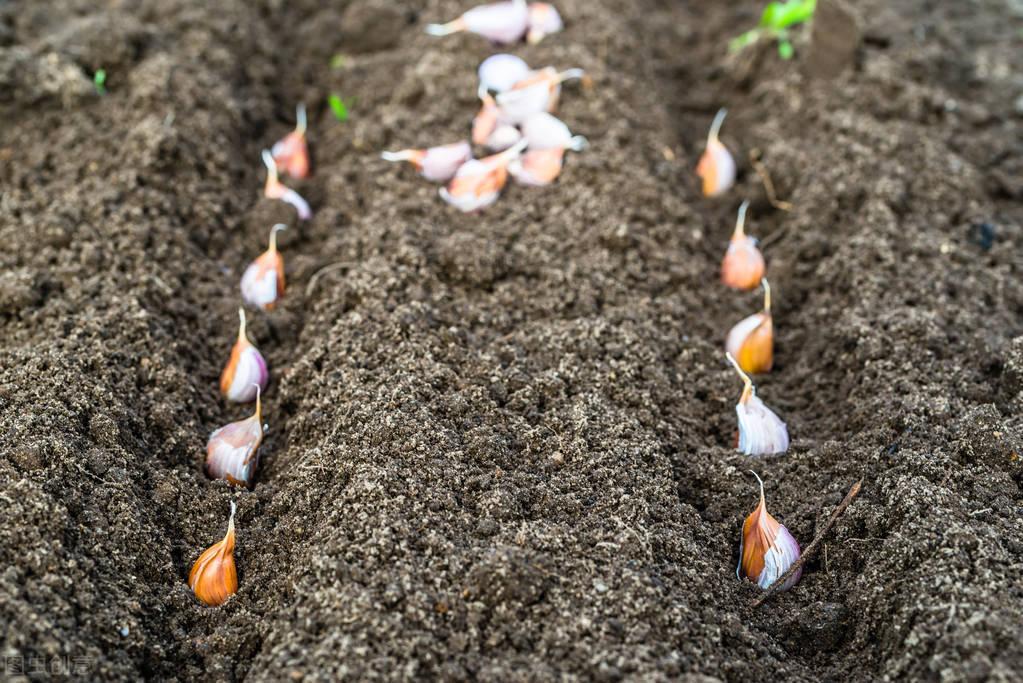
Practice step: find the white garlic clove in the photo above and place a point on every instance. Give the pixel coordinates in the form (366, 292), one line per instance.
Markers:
(441, 163)
(545, 131)
(538, 92)
(274, 189)
(500, 22)
(543, 21)
(232, 452)
(263, 282)
(503, 137)
(761, 431)
(500, 72)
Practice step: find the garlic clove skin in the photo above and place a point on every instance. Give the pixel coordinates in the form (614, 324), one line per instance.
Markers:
(537, 168)
(245, 370)
(274, 189)
(478, 182)
(761, 431)
(743, 266)
(486, 120)
(499, 22)
(543, 21)
(436, 164)
(716, 167)
(766, 548)
(539, 92)
(262, 282)
(232, 452)
(500, 72)
(291, 153)
(545, 131)
(214, 576)
(504, 137)
(751, 342)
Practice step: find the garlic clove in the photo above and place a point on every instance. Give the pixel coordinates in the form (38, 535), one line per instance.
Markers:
(537, 167)
(545, 131)
(214, 576)
(543, 21)
(716, 166)
(766, 549)
(274, 189)
(743, 265)
(232, 452)
(499, 22)
(761, 431)
(437, 164)
(504, 137)
(485, 122)
(538, 92)
(245, 370)
(478, 182)
(751, 341)
(290, 153)
(262, 282)
(500, 72)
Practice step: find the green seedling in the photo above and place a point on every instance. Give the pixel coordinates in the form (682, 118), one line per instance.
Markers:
(99, 79)
(338, 61)
(775, 22)
(338, 106)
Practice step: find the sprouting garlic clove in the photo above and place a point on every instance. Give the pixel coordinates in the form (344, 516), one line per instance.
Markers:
(437, 164)
(499, 22)
(232, 453)
(716, 166)
(743, 265)
(214, 576)
(275, 189)
(543, 21)
(761, 431)
(538, 92)
(478, 182)
(291, 153)
(751, 341)
(500, 72)
(766, 549)
(245, 370)
(263, 281)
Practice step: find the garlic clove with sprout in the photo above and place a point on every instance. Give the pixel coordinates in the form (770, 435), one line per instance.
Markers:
(761, 432)
(263, 281)
(743, 265)
(500, 72)
(766, 549)
(716, 166)
(538, 92)
(291, 153)
(478, 183)
(542, 166)
(751, 340)
(543, 21)
(275, 189)
(499, 22)
(214, 576)
(486, 120)
(437, 164)
(232, 452)
(245, 370)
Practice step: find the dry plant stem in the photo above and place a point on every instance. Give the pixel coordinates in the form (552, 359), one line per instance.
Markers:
(765, 178)
(323, 271)
(812, 548)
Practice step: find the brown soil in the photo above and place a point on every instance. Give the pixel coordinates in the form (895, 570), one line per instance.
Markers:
(500, 444)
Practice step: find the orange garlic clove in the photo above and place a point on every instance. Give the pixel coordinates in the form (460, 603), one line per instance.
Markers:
(538, 92)
(761, 431)
(716, 166)
(486, 121)
(766, 548)
(214, 576)
(291, 154)
(743, 265)
(478, 182)
(263, 281)
(232, 453)
(275, 189)
(537, 167)
(543, 21)
(245, 370)
(751, 341)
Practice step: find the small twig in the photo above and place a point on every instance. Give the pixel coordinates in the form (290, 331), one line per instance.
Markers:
(765, 178)
(812, 548)
(325, 269)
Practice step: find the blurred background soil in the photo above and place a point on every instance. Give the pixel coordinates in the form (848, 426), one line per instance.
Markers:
(500, 445)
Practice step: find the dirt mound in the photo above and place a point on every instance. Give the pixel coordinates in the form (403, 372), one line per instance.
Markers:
(500, 444)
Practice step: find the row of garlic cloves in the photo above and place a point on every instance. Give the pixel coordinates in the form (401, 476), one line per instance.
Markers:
(232, 451)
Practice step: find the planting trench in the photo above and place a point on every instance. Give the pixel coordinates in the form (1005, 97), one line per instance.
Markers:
(500, 443)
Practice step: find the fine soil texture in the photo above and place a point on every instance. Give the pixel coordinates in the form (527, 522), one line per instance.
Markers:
(501, 445)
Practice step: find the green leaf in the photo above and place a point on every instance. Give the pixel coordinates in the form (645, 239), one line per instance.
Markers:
(338, 61)
(745, 40)
(338, 105)
(99, 80)
(785, 49)
(781, 15)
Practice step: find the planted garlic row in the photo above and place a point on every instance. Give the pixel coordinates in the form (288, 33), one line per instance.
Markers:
(232, 451)
(515, 122)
